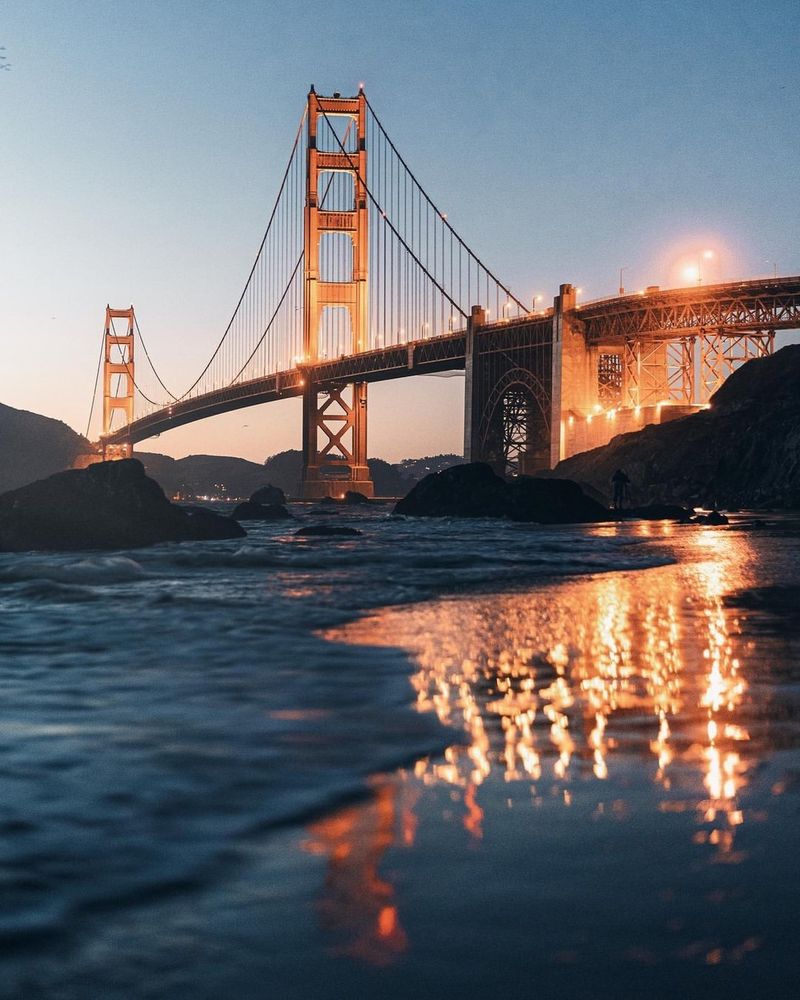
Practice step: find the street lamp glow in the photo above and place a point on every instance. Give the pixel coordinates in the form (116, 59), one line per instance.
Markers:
(691, 273)
(708, 255)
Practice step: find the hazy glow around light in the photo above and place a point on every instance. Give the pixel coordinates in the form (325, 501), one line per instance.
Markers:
(691, 273)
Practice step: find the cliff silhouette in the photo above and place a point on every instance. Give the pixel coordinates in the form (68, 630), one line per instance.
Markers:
(744, 451)
(33, 447)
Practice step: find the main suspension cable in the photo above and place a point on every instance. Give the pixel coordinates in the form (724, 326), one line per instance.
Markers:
(249, 277)
(442, 215)
(96, 381)
(385, 217)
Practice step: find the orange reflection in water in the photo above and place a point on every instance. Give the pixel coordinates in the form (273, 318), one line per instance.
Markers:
(356, 907)
(565, 683)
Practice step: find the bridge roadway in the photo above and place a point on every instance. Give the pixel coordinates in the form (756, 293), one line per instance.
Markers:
(735, 307)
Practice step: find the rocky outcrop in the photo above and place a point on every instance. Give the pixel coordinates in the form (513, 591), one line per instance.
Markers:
(353, 498)
(657, 512)
(249, 510)
(744, 451)
(110, 505)
(269, 496)
(327, 530)
(473, 490)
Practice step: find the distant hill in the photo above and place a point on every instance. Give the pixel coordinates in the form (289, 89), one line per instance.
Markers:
(33, 447)
(744, 451)
(218, 475)
(204, 475)
(416, 469)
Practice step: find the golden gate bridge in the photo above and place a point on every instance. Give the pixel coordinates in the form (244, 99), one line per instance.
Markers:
(361, 278)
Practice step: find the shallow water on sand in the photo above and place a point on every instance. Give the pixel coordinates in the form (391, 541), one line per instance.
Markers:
(441, 759)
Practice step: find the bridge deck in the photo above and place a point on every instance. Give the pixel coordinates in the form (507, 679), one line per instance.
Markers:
(742, 306)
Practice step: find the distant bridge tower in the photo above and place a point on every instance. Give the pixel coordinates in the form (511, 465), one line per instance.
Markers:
(118, 379)
(335, 293)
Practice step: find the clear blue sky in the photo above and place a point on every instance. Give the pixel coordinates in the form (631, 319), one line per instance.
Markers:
(143, 144)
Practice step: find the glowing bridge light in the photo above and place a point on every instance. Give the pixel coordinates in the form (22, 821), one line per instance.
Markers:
(691, 273)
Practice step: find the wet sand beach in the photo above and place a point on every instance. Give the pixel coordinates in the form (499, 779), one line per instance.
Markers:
(595, 791)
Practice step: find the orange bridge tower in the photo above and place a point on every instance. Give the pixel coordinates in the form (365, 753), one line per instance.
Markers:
(118, 379)
(336, 234)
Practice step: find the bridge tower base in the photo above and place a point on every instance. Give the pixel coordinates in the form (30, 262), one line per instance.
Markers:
(335, 442)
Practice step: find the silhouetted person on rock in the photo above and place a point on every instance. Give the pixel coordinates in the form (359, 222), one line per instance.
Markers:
(621, 492)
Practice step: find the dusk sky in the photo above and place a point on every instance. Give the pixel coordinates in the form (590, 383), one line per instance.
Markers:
(144, 144)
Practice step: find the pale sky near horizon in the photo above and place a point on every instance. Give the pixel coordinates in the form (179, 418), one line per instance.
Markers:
(144, 143)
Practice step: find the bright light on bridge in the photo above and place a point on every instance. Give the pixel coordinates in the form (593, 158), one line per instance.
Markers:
(691, 274)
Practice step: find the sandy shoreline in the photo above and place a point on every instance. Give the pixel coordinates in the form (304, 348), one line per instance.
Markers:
(619, 797)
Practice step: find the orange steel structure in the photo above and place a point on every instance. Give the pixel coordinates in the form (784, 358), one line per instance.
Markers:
(117, 364)
(335, 417)
(540, 384)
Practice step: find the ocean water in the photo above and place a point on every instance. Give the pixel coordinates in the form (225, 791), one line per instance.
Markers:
(444, 758)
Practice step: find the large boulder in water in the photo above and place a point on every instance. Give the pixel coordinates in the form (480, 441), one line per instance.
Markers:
(250, 510)
(552, 501)
(110, 505)
(471, 490)
(474, 490)
(269, 496)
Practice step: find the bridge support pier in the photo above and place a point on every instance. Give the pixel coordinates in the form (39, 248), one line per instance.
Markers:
(335, 441)
(508, 395)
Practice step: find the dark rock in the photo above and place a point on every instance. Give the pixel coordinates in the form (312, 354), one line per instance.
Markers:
(327, 530)
(551, 501)
(473, 490)
(110, 505)
(205, 524)
(249, 510)
(353, 498)
(713, 517)
(269, 496)
(657, 512)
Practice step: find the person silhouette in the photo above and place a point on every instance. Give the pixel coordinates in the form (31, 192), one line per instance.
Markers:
(620, 483)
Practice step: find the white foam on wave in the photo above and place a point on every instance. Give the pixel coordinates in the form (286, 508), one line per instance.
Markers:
(87, 571)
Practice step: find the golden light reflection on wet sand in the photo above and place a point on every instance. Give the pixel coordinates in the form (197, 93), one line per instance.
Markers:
(586, 687)
(565, 684)
(357, 906)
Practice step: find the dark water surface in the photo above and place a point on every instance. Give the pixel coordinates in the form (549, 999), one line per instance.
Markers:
(452, 759)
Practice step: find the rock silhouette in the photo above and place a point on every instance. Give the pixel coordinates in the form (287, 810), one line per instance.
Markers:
(269, 496)
(250, 510)
(327, 530)
(474, 490)
(743, 452)
(110, 505)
